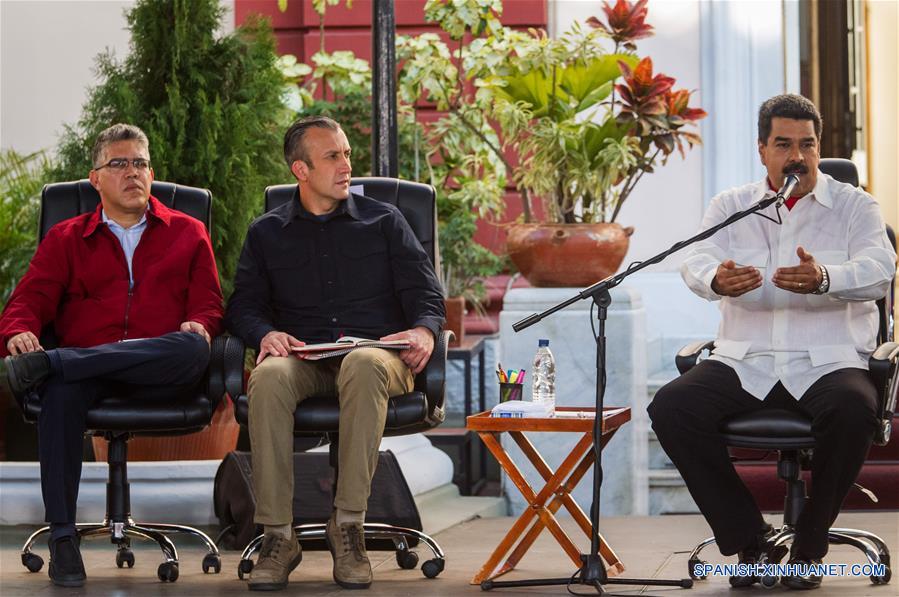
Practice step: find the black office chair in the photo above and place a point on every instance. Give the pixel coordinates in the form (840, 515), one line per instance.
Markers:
(417, 411)
(790, 433)
(117, 419)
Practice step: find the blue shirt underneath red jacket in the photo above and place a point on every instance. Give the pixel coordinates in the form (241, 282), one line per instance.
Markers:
(78, 281)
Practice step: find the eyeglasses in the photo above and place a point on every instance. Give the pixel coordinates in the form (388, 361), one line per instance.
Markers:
(140, 164)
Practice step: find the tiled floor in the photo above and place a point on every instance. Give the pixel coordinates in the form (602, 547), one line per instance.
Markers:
(649, 547)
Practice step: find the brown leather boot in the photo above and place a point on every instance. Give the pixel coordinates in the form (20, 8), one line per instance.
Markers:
(277, 559)
(352, 569)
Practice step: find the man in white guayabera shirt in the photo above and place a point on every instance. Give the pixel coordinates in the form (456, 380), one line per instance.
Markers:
(798, 322)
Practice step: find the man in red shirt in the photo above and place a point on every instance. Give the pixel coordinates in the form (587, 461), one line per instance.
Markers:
(132, 292)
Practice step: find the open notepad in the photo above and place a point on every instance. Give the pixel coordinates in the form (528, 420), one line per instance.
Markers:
(315, 352)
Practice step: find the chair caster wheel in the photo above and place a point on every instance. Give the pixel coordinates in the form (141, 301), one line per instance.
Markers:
(244, 568)
(212, 562)
(769, 581)
(692, 569)
(32, 561)
(124, 556)
(167, 571)
(432, 568)
(405, 559)
(877, 580)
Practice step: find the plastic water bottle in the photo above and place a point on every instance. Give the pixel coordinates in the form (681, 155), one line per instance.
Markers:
(545, 377)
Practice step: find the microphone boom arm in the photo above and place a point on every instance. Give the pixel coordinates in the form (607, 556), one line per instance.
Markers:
(616, 279)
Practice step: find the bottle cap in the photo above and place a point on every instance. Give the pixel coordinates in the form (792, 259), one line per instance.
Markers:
(542, 342)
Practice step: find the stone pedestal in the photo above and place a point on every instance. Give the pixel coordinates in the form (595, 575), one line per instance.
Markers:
(624, 488)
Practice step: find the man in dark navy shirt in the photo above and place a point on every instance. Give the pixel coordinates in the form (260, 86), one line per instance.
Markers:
(324, 265)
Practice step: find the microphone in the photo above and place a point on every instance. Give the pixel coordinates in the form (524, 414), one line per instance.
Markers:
(786, 190)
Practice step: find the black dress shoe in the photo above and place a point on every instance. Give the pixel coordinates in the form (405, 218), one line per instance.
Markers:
(747, 557)
(66, 567)
(25, 372)
(805, 576)
(755, 553)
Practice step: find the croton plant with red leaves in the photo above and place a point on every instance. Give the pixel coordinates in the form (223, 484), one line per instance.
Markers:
(587, 126)
(655, 111)
(627, 22)
(650, 105)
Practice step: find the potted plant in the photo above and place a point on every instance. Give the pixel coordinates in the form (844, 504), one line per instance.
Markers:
(585, 116)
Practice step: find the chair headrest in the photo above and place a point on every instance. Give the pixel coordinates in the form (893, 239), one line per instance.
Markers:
(841, 169)
(63, 200)
(416, 201)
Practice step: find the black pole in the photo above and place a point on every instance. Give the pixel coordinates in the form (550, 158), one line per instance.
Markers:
(383, 90)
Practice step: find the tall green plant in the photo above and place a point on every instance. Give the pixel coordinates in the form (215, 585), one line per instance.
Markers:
(21, 179)
(209, 103)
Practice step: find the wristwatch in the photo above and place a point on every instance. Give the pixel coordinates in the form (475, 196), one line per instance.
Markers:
(824, 286)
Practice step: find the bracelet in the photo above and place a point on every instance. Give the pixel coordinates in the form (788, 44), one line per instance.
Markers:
(824, 286)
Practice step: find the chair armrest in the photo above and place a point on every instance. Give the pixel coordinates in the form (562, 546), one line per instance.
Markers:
(882, 367)
(215, 386)
(432, 379)
(232, 366)
(687, 356)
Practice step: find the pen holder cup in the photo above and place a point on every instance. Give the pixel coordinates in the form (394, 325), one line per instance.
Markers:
(510, 391)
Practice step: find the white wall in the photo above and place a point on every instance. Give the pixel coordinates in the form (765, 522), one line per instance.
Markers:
(883, 124)
(47, 56)
(47, 52)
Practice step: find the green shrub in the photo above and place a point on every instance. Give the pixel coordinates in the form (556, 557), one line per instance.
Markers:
(21, 180)
(209, 103)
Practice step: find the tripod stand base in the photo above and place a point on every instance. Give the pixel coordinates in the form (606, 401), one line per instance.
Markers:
(590, 574)
(684, 583)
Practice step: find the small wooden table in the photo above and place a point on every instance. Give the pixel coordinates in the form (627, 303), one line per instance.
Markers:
(558, 484)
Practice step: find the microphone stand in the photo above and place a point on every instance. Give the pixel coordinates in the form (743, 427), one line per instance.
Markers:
(593, 572)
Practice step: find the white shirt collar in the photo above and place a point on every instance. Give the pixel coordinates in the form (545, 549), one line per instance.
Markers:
(821, 192)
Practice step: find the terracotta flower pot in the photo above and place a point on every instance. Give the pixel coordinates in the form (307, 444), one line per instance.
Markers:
(455, 318)
(212, 443)
(557, 255)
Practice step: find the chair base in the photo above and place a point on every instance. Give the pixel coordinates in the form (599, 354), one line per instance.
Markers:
(405, 558)
(121, 534)
(874, 548)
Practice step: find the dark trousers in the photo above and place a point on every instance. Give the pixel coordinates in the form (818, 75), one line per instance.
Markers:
(136, 370)
(686, 415)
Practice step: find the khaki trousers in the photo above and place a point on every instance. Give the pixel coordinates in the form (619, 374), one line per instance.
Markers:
(362, 381)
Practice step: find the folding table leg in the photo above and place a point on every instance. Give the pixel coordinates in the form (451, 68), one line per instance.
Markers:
(489, 569)
(537, 502)
(578, 452)
(563, 497)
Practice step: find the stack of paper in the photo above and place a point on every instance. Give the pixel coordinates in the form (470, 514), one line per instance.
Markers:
(521, 409)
